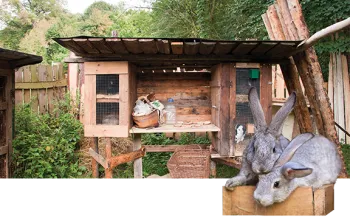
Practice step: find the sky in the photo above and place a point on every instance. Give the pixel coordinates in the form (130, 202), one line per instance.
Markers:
(78, 6)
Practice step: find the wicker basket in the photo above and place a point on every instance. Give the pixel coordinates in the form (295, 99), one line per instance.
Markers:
(190, 163)
(150, 120)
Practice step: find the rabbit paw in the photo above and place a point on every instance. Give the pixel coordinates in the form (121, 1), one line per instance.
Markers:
(232, 183)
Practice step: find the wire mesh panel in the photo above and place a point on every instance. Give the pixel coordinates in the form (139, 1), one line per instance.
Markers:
(2, 128)
(244, 118)
(2, 89)
(2, 166)
(107, 84)
(107, 113)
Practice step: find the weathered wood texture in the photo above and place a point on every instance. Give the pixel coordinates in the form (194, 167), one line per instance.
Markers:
(190, 91)
(266, 91)
(6, 118)
(223, 94)
(303, 201)
(308, 66)
(138, 162)
(40, 84)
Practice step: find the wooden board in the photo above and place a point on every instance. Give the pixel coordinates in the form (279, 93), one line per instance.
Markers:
(303, 201)
(177, 47)
(171, 128)
(89, 103)
(106, 131)
(346, 95)
(94, 68)
(266, 91)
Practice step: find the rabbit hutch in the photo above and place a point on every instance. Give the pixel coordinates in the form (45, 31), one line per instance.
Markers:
(207, 79)
(9, 60)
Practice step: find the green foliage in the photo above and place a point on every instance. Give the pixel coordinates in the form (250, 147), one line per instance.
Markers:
(45, 144)
(223, 171)
(346, 155)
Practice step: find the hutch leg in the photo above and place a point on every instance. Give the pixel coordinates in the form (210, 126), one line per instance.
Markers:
(137, 162)
(108, 171)
(94, 163)
(213, 168)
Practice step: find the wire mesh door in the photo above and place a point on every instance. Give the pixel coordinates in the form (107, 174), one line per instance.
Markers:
(244, 122)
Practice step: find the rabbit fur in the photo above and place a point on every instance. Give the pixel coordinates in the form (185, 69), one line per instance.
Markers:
(266, 145)
(315, 163)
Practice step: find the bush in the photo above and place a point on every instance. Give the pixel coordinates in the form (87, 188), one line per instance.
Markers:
(45, 144)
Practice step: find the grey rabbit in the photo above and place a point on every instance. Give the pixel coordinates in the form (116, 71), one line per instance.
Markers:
(309, 160)
(266, 145)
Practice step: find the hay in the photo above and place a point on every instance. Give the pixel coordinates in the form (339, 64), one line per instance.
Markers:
(119, 146)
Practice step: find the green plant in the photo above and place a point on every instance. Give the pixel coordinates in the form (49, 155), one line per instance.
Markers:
(45, 144)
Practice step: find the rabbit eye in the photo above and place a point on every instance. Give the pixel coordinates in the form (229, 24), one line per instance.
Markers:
(276, 184)
(274, 150)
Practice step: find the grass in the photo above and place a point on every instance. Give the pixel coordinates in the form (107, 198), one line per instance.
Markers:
(346, 154)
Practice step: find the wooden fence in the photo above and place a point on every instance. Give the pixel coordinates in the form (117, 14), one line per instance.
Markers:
(41, 84)
(339, 93)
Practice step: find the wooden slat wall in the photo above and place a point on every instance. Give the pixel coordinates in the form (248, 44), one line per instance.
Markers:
(41, 84)
(191, 92)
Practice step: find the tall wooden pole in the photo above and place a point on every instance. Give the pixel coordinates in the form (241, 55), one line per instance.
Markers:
(108, 171)
(94, 164)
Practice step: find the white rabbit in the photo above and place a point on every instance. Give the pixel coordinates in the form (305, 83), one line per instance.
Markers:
(309, 160)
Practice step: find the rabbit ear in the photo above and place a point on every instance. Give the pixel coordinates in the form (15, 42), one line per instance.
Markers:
(293, 170)
(255, 107)
(276, 125)
(291, 148)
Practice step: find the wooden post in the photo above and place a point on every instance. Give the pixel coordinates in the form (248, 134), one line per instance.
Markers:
(213, 168)
(94, 164)
(346, 95)
(266, 91)
(137, 162)
(108, 171)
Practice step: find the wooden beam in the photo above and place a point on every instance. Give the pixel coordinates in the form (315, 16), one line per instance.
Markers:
(266, 91)
(307, 43)
(106, 130)
(171, 128)
(95, 68)
(346, 95)
(137, 162)
(4, 150)
(101, 160)
(108, 170)
(177, 47)
(228, 162)
(171, 148)
(94, 165)
(124, 158)
(41, 85)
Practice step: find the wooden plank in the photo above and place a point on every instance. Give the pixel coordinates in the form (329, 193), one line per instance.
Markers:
(86, 45)
(150, 83)
(117, 46)
(215, 103)
(34, 92)
(226, 160)
(73, 46)
(108, 171)
(90, 100)
(43, 72)
(171, 148)
(132, 92)
(232, 113)
(124, 158)
(346, 95)
(179, 90)
(132, 45)
(124, 116)
(42, 85)
(268, 26)
(100, 98)
(266, 91)
(50, 98)
(138, 162)
(275, 23)
(3, 106)
(97, 157)
(339, 96)
(148, 46)
(324, 200)
(262, 48)
(222, 48)
(177, 47)
(331, 80)
(247, 65)
(171, 128)
(292, 31)
(105, 130)
(4, 150)
(60, 72)
(191, 48)
(280, 48)
(206, 48)
(100, 45)
(95, 68)
(9, 121)
(282, 21)
(163, 46)
(94, 165)
(244, 48)
(226, 202)
(193, 118)
(224, 111)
